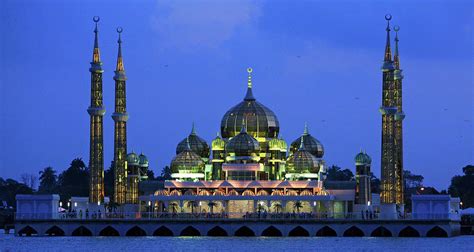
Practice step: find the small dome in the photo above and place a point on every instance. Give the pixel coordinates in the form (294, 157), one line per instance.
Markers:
(187, 162)
(143, 160)
(132, 159)
(243, 145)
(362, 159)
(274, 144)
(197, 144)
(284, 145)
(311, 144)
(218, 143)
(303, 161)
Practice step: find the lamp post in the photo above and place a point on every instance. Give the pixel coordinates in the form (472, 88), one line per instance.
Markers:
(149, 209)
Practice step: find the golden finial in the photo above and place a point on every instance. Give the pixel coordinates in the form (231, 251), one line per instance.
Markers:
(249, 82)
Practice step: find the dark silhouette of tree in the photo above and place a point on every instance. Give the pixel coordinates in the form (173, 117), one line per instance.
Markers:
(165, 174)
(374, 183)
(463, 186)
(411, 182)
(29, 180)
(48, 181)
(335, 173)
(150, 174)
(74, 181)
(9, 188)
(109, 180)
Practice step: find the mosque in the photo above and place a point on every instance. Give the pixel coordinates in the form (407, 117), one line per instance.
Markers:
(248, 167)
(248, 181)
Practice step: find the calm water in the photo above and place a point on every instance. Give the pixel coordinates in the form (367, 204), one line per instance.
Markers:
(191, 244)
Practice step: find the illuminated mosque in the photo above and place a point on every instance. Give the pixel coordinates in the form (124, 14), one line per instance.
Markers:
(248, 167)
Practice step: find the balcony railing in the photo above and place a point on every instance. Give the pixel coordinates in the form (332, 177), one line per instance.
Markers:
(226, 216)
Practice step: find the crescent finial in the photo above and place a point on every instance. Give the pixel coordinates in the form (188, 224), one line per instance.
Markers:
(388, 17)
(96, 19)
(119, 29)
(396, 28)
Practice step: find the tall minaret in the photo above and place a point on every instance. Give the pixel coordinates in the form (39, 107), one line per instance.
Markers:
(120, 117)
(391, 165)
(399, 116)
(388, 111)
(96, 111)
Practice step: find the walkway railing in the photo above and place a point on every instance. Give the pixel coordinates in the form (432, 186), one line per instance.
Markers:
(226, 215)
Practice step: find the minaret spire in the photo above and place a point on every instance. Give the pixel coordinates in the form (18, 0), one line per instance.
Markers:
(388, 50)
(396, 57)
(119, 57)
(249, 95)
(120, 118)
(96, 112)
(301, 143)
(96, 52)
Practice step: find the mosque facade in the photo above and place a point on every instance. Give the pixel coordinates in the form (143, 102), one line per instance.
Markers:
(248, 167)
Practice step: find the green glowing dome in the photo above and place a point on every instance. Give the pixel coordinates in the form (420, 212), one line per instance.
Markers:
(243, 145)
(218, 143)
(143, 160)
(311, 144)
(197, 144)
(132, 159)
(362, 159)
(187, 161)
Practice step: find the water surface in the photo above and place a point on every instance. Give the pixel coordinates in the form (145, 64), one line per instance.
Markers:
(238, 244)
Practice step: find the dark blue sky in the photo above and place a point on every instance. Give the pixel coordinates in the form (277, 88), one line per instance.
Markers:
(313, 62)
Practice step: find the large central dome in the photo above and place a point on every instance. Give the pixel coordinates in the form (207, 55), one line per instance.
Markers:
(259, 120)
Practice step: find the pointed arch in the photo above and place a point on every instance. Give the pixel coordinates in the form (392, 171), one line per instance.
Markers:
(326, 231)
(381, 232)
(55, 231)
(409, 232)
(27, 231)
(190, 231)
(217, 231)
(353, 232)
(272, 232)
(136, 231)
(244, 231)
(109, 231)
(437, 232)
(298, 231)
(163, 231)
(81, 231)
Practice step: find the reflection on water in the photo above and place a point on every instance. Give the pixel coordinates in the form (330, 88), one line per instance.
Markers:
(240, 244)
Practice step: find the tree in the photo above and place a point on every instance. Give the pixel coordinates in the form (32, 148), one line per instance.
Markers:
(297, 205)
(374, 183)
(74, 181)
(192, 204)
(166, 173)
(48, 181)
(211, 205)
(412, 180)
(109, 180)
(29, 180)
(335, 173)
(463, 187)
(277, 207)
(150, 174)
(9, 188)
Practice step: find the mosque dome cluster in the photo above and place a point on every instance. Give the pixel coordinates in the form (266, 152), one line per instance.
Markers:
(249, 134)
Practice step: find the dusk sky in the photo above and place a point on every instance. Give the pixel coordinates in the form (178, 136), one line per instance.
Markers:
(186, 61)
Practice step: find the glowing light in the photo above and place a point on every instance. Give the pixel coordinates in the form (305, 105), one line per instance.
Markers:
(368, 203)
(75, 204)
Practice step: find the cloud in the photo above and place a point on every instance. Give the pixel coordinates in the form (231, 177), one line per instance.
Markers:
(202, 24)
